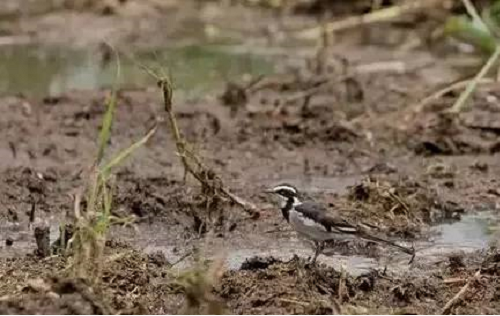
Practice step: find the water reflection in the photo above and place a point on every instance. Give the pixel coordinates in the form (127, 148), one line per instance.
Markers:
(473, 230)
(196, 70)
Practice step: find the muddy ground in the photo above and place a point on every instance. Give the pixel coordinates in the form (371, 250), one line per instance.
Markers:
(348, 128)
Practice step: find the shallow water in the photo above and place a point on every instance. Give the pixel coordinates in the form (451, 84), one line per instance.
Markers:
(195, 69)
(471, 233)
(473, 230)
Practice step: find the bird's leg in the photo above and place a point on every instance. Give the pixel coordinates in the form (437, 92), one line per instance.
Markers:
(320, 245)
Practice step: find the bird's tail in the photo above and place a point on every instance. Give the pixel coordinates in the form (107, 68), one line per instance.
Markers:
(366, 236)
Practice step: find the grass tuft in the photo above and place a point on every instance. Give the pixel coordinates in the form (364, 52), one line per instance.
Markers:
(93, 218)
(481, 34)
(197, 285)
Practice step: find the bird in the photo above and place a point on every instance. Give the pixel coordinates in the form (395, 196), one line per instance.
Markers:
(312, 221)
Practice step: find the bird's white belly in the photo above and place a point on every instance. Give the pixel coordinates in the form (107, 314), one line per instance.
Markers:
(309, 227)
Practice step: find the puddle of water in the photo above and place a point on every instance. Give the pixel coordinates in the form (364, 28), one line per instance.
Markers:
(473, 232)
(470, 234)
(236, 250)
(195, 69)
(23, 237)
(285, 251)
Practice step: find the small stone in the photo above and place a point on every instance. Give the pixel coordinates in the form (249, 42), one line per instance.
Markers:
(449, 184)
(9, 242)
(39, 285)
(481, 166)
(491, 98)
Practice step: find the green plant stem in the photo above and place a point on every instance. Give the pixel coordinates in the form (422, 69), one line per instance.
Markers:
(460, 103)
(124, 154)
(107, 121)
(471, 10)
(463, 29)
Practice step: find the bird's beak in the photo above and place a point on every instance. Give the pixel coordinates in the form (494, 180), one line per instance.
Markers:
(268, 191)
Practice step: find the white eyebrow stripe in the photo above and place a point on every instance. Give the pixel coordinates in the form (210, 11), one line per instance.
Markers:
(286, 187)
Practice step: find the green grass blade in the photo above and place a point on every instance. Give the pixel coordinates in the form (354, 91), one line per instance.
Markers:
(463, 29)
(107, 120)
(476, 18)
(460, 104)
(124, 154)
(104, 217)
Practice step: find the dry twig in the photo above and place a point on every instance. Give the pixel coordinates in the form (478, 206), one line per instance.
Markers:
(369, 18)
(441, 92)
(287, 300)
(192, 163)
(454, 280)
(447, 308)
(342, 284)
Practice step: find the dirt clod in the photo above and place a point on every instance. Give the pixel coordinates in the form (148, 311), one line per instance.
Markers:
(258, 263)
(9, 242)
(396, 207)
(282, 287)
(55, 297)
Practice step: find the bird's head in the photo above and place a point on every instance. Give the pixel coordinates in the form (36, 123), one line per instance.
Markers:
(285, 192)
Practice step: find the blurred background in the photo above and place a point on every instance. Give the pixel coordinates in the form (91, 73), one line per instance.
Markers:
(48, 47)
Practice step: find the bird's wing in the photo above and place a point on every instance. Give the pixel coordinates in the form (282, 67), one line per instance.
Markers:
(320, 215)
(334, 224)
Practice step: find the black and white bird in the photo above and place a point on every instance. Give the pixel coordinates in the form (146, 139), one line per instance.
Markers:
(312, 221)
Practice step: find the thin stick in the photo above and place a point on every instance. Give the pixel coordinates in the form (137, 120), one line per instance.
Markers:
(247, 206)
(369, 18)
(309, 92)
(342, 283)
(454, 280)
(32, 214)
(471, 10)
(287, 300)
(440, 93)
(182, 258)
(458, 106)
(107, 120)
(447, 308)
(191, 162)
(127, 152)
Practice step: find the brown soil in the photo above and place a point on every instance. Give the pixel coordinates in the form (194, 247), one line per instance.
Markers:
(292, 288)
(350, 117)
(135, 283)
(128, 280)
